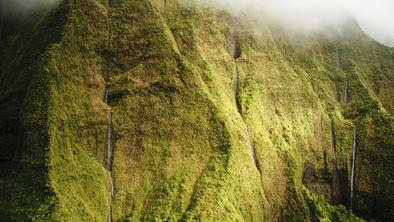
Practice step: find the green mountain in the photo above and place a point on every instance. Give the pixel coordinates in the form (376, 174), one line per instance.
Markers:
(190, 115)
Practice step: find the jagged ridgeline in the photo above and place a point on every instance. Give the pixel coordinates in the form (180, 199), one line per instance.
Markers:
(148, 110)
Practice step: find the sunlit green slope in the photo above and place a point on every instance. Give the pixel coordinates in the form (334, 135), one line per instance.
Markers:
(214, 118)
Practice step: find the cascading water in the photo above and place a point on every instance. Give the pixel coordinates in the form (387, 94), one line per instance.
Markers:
(250, 142)
(164, 7)
(251, 148)
(106, 95)
(337, 57)
(338, 67)
(235, 81)
(108, 160)
(235, 90)
(353, 173)
(109, 157)
(345, 93)
(235, 52)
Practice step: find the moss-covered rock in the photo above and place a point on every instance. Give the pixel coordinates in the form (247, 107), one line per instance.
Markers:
(181, 137)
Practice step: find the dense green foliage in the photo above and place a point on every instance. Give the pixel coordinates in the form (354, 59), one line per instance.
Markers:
(180, 141)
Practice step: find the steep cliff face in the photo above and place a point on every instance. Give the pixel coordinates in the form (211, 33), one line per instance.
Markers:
(211, 120)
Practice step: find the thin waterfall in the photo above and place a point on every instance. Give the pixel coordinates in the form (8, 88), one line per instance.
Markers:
(109, 165)
(337, 58)
(235, 53)
(338, 67)
(108, 161)
(106, 95)
(252, 154)
(109, 143)
(345, 93)
(353, 173)
(164, 6)
(322, 143)
(235, 81)
(251, 148)
(109, 130)
(235, 90)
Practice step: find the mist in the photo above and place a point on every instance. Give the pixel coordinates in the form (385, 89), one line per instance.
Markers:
(375, 17)
(16, 7)
(20, 9)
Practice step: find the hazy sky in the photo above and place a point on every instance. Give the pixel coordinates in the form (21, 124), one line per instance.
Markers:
(376, 17)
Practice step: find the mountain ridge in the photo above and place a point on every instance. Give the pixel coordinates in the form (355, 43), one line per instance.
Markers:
(181, 151)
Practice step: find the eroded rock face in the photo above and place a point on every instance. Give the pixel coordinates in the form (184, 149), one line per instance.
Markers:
(182, 137)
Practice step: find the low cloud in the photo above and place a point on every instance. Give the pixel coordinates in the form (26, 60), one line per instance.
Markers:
(375, 17)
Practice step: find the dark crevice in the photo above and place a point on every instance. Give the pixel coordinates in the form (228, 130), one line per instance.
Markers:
(325, 164)
(232, 42)
(236, 51)
(239, 108)
(334, 143)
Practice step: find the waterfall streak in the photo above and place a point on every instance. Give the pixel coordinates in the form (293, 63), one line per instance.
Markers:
(352, 175)
(252, 155)
(106, 95)
(106, 100)
(337, 58)
(108, 161)
(235, 81)
(345, 94)
(250, 142)
(251, 148)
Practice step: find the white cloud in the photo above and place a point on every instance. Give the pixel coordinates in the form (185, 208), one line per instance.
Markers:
(375, 17)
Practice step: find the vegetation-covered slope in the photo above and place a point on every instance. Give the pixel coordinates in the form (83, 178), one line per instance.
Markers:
(211, 120)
